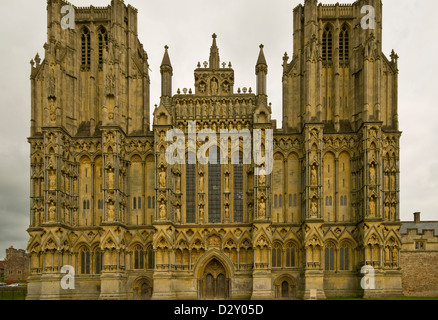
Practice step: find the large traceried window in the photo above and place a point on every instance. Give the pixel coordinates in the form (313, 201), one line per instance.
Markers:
(344, 44)
(85, 258)
(277, 256)
(291, 255)
(191, 193)
(327, 45)
(344, 255)
(238, 191)
(86, 47)
(214, 187)
(329, 257)
(139, 258)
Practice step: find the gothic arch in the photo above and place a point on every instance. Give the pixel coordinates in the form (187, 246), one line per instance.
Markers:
(209, 256)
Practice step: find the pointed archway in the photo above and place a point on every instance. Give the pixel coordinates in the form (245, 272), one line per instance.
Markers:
(214, 283)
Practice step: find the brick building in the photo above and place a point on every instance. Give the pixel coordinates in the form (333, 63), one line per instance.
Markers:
(16, 265)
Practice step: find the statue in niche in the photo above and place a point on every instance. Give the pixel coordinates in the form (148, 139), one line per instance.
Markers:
(224, 109)
(262, 178)
(214, 87)
(201, 212)
(372, 207)
(394, 257)
(52, 212)
(201, 182)
(162, 178)
(110, 214)
(393, 186)
(198, 110)
(387, 217)
(372, 173)
(227, 182)
(237, 108)
(314, 175)
(231, 109)
(262, 208)
(204, 110)
(178, 214)
(110, 82)
(184, 110)
(227, 212)
(314, 208)
(214, 127)
(178, 183)
(393, 212)
(178, 110)
(52, 180)
(111, 178)
(162, 210)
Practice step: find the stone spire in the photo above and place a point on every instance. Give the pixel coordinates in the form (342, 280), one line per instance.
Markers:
(261, 72)
(214, 54)
(166, 75)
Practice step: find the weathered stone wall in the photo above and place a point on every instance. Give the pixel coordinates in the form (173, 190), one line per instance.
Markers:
(420, 273)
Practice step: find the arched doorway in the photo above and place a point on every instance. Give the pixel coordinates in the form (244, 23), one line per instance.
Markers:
(214, 283)
(285, 288)
(142, 289)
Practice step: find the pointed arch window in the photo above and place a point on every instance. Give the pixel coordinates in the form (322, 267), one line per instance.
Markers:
(86, 48)
(85, 258)
(344, 253)
(191, 193)
(139, 258)
(214, 187)
(276, 256)
(344, 44)
(291, 254)
(329, 257)
(103, 43)
(327, 45)
(238, 190)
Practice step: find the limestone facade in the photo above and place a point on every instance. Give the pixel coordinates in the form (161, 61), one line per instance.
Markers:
(106, 201)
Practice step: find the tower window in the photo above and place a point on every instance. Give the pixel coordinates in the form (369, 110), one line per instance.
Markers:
(103, 43)
(327, 45)
(344, 44)
(86, 44)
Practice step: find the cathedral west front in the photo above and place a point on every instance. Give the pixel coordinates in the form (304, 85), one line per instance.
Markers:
(106, 200)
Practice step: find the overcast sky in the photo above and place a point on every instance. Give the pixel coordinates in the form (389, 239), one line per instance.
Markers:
(409, 27)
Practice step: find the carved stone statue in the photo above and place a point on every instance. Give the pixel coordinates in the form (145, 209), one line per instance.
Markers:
(162, 210)
(227, 182)
(314, 175)
(214, 87)
(314, 208)
(162, 178)
(262, 208)
(52, 212)
(201, 182)
(201, 212)
(178, 183)
(227, 211)
(373, 174)
(110, 214)
(178, 214)
(111, 179)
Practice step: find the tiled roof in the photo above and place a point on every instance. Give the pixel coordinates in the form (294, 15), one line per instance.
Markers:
(421, 227)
